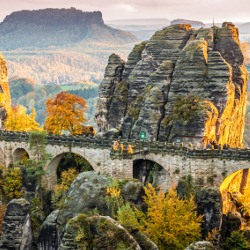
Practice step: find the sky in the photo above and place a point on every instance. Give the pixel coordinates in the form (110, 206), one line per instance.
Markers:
(202, 10)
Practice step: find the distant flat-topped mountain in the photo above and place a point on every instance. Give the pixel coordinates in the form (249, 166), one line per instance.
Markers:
(141, 28)
(244, 28)
(56, 27)
(195, 24)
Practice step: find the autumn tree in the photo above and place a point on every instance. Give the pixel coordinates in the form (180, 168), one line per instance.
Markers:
(67, 177)
(171, 222)
(12, 184)
(19, 120)
(65, 113)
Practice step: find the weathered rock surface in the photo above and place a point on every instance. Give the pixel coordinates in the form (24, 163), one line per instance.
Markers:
(96, 232)
(88, 192)
(209, 204)
(87, 196)
(112, 86)
(201, 245)
(145, 94)
(49, 236)
(17, 232)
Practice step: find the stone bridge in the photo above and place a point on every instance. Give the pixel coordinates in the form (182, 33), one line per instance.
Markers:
(206, 166)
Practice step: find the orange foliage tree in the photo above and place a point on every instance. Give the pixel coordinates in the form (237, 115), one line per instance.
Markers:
(19, 120)
(65, 113)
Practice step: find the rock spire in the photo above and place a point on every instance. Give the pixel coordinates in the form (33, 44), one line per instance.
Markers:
(184, 85)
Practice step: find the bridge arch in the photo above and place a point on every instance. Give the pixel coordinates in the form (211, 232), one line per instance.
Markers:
(149, 171)
(20, 155)
(64, 161)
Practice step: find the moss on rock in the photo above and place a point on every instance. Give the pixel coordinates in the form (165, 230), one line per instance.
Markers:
(97, 232)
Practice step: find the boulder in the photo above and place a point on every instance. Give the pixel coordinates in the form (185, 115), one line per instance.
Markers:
(201, 245)
(87, 194)
(96, 232)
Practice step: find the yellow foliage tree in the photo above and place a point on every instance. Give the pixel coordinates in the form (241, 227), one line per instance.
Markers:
(19, 120)
(171, 222)
(12, 184)
(67, 177)
(65, 113)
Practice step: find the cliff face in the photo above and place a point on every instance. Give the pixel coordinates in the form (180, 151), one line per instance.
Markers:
(182, 85)
(5, 100)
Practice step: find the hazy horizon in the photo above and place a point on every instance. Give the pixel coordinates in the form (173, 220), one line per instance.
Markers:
(200, 10)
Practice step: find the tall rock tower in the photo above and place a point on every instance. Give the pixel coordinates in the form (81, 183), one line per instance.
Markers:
(183, 85)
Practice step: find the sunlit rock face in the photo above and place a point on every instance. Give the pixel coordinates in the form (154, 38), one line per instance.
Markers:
(5, 100)
(235, 191)
(182, 85)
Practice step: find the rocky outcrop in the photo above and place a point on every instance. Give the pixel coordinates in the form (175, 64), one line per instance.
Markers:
(49, 236)
(209, 204)
(112, 85)
(87, 194)
(201, 245)
(182, 85)
(96, 232)
(17, 232)
(5, 100)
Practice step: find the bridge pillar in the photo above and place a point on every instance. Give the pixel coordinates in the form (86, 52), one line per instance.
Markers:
(8, 153)
(50, 169)
(120, 168)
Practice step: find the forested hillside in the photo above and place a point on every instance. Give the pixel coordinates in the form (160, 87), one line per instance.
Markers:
(60, 46)
(25, 92)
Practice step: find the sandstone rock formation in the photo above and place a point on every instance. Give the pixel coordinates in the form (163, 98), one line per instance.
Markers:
(209, 204)
(182, 85)
(87, 196)
(5, 100)
(88, 192)
(201, 245)
(49, 236)
(17, 232)
(98, 232)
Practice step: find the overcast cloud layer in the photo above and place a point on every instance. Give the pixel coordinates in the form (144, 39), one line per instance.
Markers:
(204, 10)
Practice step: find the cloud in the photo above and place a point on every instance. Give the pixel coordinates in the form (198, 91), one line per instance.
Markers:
(113, 9)
(125, 7)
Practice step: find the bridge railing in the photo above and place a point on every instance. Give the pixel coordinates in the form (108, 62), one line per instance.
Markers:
(139, 147)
